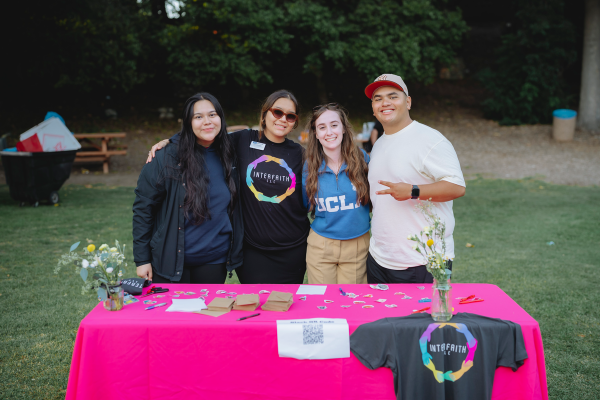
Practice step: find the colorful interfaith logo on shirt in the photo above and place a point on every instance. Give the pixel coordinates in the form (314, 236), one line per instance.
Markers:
(287, 178)
(447, 348)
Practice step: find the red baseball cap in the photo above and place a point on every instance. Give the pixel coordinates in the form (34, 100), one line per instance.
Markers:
(386, 80)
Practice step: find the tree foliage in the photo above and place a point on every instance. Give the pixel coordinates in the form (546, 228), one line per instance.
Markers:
(108, 46)
(243, 39)
(103, 46)
(410, 38)
(526, 83)
(221, 40)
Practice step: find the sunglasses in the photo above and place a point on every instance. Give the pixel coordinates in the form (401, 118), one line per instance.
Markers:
(333, 105)
(289, 117)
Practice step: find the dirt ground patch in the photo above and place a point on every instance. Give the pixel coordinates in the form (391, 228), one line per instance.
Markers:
(484, 149)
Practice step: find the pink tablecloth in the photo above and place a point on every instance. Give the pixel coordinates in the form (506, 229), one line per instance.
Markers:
(138, 354)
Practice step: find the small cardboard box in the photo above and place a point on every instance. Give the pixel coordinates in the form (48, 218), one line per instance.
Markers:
(246, 302)
(278, 301)
(220, 304)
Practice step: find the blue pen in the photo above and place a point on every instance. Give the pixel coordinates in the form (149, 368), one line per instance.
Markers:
(158, 305)
(342, 292)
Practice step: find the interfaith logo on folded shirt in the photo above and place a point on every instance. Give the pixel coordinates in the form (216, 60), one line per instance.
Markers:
(447, 349)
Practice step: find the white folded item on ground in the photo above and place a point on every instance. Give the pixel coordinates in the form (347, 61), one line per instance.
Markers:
(53, 136)
(187, 305)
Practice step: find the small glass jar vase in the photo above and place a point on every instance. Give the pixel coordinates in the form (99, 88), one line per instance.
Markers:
(441, 301)
(114, 298)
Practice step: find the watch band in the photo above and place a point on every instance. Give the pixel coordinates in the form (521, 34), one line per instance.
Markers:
(414, 194)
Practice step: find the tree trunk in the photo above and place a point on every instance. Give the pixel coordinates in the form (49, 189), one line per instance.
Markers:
(589, 100)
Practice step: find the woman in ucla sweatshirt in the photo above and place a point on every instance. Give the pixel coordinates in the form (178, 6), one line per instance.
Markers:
(336, 193)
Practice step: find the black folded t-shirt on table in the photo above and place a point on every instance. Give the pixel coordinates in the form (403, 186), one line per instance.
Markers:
(440, 361)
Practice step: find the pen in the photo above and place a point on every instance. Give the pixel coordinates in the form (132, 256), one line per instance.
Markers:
(248, 316)
(342, 292)
(421, 310)
(158, 305)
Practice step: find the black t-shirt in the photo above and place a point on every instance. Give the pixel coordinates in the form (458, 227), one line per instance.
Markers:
(271, 189)
(440, 361)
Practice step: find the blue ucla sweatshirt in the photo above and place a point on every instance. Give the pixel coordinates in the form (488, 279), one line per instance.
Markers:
(208, 243)
(337, 216)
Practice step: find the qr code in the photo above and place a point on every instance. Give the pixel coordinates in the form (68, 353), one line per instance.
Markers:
(312, 334)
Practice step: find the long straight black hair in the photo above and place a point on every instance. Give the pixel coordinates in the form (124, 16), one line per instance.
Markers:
(193, 165)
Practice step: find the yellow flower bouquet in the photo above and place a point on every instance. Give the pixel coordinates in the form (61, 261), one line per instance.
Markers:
(104, 266)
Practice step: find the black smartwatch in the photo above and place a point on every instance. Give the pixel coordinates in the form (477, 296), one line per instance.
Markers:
(414, 194)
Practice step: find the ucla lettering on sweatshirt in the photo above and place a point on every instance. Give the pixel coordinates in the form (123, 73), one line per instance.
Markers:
(337, 214)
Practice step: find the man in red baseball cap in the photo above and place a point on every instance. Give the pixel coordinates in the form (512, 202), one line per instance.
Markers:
(411, 161)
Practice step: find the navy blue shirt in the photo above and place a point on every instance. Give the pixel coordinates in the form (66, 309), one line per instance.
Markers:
(208, 243)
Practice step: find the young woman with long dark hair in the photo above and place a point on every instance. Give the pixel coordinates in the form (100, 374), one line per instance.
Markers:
(187, 221)
(275, 219)
(336, 189)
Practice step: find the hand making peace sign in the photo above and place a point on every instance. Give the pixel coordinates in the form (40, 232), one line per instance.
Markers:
(399, 191)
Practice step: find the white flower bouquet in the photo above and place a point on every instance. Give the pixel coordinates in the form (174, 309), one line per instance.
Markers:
(104, 266)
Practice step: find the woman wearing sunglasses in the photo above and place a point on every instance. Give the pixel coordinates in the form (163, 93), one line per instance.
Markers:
(336, 189)
(275, 220)
(187, 221)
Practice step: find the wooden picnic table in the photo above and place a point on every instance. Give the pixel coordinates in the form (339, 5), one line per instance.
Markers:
(102, 152)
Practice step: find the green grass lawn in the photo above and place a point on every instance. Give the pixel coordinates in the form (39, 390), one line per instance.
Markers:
(509, 222)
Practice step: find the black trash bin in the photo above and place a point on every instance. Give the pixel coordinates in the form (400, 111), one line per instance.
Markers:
(34, 177)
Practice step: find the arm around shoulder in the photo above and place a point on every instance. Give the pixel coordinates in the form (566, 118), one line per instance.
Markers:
(149, 194)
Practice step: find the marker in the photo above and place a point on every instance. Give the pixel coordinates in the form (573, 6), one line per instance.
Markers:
(342, 292)
(158, 305)
(248, 316)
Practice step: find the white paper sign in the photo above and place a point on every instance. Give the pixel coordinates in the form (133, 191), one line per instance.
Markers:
(311, 289)
(53, 136)
(313, 339)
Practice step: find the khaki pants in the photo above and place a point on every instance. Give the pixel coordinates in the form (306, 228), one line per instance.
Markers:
(330, 261)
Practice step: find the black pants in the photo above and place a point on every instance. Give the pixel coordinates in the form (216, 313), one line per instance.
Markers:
(205, 273)
(273, 266)
(378, 274)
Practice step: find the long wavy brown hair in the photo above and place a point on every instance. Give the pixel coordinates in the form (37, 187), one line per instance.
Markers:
(357, 168)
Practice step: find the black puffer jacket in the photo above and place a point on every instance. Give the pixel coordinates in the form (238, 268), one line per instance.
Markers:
(159, 221)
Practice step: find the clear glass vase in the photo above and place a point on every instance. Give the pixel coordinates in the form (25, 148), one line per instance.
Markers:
(441, 301)
(114, 298)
